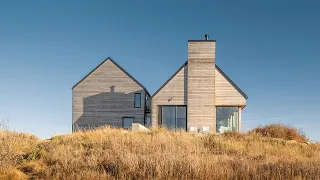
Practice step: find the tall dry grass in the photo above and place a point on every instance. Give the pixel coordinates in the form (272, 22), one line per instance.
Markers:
(116, 154)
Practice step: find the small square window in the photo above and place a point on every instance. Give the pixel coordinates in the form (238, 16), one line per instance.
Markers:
(127, 122)
(137, 100)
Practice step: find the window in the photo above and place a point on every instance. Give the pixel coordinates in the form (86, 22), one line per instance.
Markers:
(174, 117)
(137, 100)
(169, 116)
(227, 119)
(127, 122)
(148, 121)
(181, 122)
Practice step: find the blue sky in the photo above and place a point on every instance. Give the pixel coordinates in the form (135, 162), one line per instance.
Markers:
(270, 49)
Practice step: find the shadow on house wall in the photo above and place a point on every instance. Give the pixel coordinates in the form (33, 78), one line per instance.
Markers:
(109, 108)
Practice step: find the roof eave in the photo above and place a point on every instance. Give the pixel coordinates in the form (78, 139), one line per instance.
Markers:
(165, 83)
(232, 83)
(123, 70)
(219, 69)
(90, 72)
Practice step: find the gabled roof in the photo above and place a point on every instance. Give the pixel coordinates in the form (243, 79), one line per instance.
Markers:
(218, 68)
(109, 59)
(169, 79)
(231, 82)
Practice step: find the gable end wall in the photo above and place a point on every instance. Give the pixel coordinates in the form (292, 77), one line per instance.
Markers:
(225, 93)
(105, 97)
(173, 93)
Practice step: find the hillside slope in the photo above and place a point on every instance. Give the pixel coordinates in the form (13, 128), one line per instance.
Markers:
(116, 154)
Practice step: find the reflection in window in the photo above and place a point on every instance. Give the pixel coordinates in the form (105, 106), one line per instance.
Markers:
(148, 121)
(137, 100)
(181, 117)
(174, 117)
(227, 119)
(169, 116)
(127, 122)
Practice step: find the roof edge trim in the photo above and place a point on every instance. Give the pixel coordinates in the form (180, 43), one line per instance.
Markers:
(232, 83)
(91, 72)
(218, 68)
(184, 64)
(123, 70)
(201, 40)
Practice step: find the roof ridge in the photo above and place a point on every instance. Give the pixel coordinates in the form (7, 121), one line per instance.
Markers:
(121, 68)
(219, 69)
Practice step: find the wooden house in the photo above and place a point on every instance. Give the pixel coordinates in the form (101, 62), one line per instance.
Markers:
(199, 97)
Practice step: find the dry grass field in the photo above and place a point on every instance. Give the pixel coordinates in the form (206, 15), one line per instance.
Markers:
(107, 153)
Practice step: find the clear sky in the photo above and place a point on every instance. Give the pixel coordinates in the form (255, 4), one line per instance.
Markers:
(270, 49)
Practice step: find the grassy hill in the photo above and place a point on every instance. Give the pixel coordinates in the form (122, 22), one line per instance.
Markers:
(161, 154)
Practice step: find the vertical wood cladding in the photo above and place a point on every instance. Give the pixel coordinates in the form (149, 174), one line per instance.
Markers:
(201, 84)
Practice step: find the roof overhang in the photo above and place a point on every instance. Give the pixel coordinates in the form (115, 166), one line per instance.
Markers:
(110, 59)
(217, 67)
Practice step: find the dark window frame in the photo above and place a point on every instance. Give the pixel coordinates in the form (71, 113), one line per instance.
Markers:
(134, 101)
(127, 117)
(230, 106)
(161, 113)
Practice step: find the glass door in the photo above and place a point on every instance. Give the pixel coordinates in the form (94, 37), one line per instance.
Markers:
(169, 116)
(174, 117)
(181, 120)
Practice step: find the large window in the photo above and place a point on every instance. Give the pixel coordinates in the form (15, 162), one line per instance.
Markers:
(227, 119)
(174, 117)
(137, 100)
(181, 117)
(169, 116)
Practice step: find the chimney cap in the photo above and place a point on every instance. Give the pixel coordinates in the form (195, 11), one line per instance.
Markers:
(207, 37)
(201, 40)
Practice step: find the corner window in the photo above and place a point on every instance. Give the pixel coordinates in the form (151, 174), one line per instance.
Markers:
(137, 100)
(227, 119)
(127, 122)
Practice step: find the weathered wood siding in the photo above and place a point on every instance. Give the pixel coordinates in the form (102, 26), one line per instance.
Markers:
(225, 93)
(105, 97)
(201, 85)
(175, 90)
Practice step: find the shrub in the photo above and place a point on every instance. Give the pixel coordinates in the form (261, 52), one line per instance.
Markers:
(280, 131)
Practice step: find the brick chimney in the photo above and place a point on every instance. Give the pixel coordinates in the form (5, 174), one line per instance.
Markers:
(201, 82)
